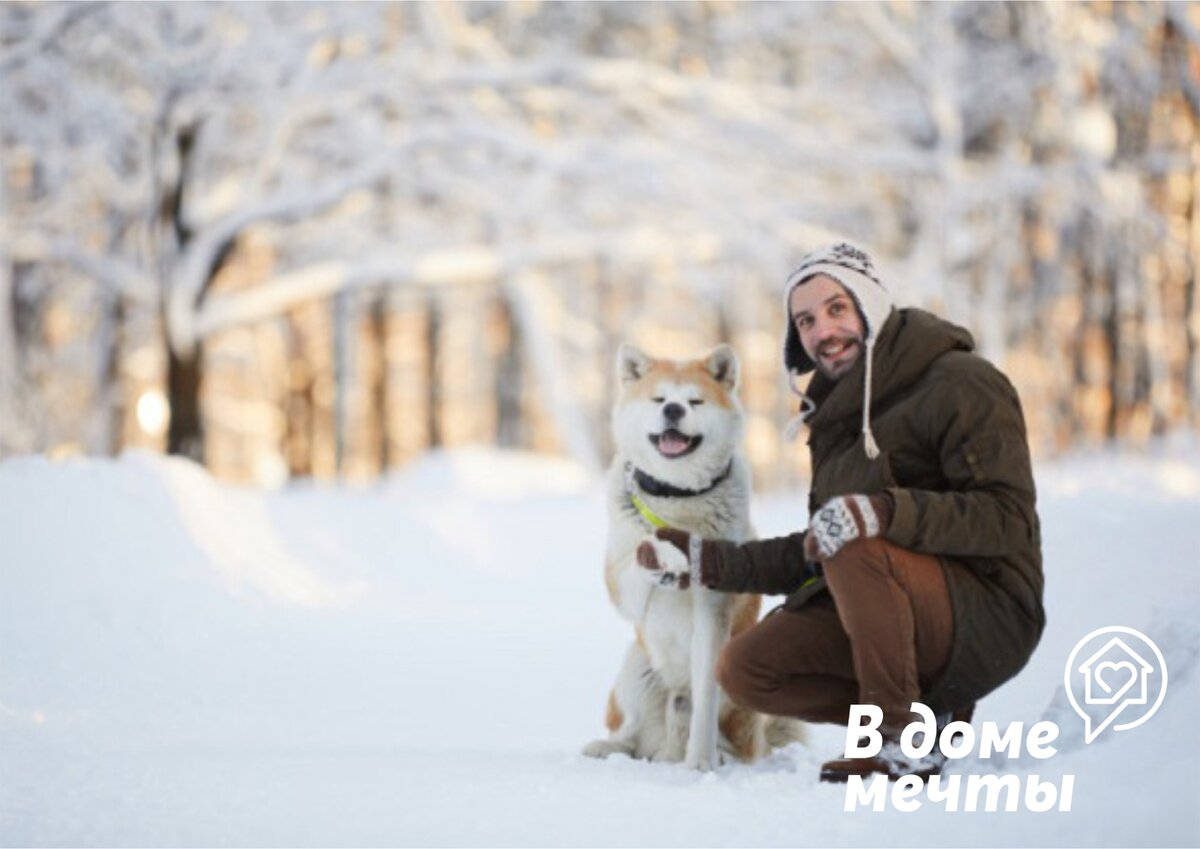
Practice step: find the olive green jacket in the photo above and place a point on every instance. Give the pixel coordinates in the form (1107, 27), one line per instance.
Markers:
(955, 458)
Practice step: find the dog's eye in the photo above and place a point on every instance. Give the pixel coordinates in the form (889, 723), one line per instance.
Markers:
(695, 402)
(658, 400)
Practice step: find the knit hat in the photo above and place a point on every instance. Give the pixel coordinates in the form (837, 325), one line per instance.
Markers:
(851, 267)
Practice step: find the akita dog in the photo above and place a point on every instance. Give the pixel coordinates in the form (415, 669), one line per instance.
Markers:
(677, 427)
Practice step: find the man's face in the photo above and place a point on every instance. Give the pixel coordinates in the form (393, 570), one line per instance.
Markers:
(831, 330)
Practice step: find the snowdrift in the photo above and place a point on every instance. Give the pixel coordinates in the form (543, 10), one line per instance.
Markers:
(185, 662)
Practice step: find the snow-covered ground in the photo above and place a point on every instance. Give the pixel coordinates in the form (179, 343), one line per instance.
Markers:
(183, 662)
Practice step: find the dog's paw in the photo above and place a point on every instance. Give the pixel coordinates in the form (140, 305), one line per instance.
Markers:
(604, 748)
(665, 755)
(725, 751)
(706, 762)
(663, 564)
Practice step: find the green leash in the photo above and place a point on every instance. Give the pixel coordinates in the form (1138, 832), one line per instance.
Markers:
(646, 512)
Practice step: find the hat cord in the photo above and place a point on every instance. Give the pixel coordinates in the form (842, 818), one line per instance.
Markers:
(807, 408)
(869, 443)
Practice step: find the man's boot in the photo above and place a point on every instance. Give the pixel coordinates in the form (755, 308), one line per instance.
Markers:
(891, 760)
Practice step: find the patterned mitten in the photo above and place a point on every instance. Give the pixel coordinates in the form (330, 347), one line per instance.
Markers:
(844, 519)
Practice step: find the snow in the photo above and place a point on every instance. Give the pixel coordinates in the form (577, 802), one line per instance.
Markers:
(183, 662)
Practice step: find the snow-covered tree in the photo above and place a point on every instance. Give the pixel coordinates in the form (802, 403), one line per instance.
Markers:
(1002, 159)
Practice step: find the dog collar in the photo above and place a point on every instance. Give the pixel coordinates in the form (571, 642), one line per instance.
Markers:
(637, 479)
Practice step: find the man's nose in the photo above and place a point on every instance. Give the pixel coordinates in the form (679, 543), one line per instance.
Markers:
(824, 328)
(673, 412)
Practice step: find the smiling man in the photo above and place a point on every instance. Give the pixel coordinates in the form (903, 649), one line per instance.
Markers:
(919, 578)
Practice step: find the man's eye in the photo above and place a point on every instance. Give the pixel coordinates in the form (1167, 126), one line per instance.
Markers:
(836, 308)
(804, 321)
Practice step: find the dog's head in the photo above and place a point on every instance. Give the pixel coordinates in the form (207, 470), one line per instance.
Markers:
(679, 421)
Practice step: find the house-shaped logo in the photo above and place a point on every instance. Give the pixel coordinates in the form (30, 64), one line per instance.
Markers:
(1118, 681)
(1112, 672)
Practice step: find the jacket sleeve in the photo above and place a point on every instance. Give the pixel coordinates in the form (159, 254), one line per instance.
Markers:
(973, 423)
(768, 566)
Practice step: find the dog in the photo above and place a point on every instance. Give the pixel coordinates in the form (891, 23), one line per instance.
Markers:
(678, 428)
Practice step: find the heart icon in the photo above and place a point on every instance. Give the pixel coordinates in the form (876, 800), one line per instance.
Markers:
(1115, 673)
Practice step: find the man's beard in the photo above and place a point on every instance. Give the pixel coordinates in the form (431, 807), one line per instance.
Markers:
(845, 362)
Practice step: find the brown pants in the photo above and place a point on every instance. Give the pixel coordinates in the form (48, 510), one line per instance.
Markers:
(880, 634)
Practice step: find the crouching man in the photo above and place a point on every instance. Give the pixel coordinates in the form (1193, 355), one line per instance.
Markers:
(919, 578)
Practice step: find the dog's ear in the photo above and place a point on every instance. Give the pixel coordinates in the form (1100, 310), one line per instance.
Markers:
(632, 364)
(722, 364)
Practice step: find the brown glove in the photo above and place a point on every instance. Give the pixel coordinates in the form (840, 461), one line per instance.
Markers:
(844, 519)
(660, 557)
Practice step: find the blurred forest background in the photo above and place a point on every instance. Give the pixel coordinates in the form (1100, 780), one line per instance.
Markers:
(318, 240)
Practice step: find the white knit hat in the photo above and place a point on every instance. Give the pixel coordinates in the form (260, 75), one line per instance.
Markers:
(853, 268)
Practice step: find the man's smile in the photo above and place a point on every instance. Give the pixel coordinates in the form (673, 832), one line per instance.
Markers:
(838, 351)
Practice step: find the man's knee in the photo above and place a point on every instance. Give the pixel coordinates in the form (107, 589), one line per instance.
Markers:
(864, 551)
(859, 561)
(872, 560)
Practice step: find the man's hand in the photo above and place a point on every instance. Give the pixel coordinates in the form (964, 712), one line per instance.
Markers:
(844, 519)
(675, 558)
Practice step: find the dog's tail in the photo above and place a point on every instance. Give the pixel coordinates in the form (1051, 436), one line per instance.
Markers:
(783, 731)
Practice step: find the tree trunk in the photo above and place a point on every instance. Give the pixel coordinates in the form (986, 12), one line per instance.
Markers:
(509, 424)
(434, 407)
(13, 429)
(185, 436)
(343, 370)
(109, 433)
(1192, 310)
(379, 390)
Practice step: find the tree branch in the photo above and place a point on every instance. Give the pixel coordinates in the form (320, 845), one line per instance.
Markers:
(121, 277)
(69, 14)
(1177, 16)
(451, 266)
(197, 265)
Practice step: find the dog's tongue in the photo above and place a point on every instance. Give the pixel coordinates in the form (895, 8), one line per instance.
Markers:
(672, 443)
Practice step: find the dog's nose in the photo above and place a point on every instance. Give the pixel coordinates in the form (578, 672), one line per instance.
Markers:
(673, 412)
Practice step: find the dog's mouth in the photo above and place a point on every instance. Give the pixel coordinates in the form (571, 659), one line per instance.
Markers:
(672, 444)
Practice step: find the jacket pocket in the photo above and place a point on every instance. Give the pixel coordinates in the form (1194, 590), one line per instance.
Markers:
(991, 456)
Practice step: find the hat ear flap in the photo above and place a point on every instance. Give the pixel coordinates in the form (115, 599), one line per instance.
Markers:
(794, 358)
(722, 364)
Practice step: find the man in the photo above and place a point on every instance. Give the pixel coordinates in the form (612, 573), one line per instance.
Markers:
(919, 578)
